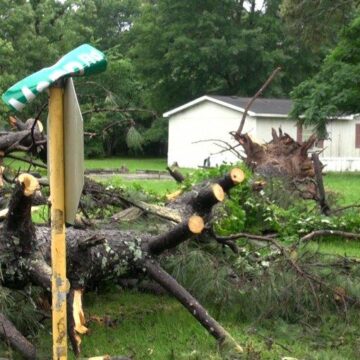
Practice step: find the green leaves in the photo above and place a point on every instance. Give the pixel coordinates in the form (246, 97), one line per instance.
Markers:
(335, 90)
(134, 140)
(184, 49)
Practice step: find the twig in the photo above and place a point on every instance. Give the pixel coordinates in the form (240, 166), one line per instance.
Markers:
(345, 208)
(269, 339)
(225, 150)
(43, 107)
(228, 242)
(287, 254)
(319, 233)
(218, 140)
(245, 235)
(26, 161)
(248, 105)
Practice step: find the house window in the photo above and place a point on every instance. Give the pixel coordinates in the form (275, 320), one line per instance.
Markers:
(357, 136)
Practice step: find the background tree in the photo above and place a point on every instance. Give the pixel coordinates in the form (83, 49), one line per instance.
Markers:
(335, 89)
(162, 53)
(317, 23)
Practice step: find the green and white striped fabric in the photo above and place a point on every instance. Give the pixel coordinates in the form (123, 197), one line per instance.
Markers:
(84, 60)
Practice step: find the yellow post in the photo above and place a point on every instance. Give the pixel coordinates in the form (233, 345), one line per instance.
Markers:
(58, 240)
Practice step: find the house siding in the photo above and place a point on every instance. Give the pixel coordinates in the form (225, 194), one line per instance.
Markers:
(205, 121)
(265, 125)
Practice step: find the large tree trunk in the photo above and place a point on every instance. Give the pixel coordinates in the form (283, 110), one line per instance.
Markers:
(95, 255)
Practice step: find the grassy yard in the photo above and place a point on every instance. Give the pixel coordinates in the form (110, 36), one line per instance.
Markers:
(145, 326)
(132, 164)
(347, 185)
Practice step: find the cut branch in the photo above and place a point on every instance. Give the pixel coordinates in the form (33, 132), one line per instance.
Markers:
(236, 176)
(176, 174)
(177, 235)
(9, 332)
(191, 304)
(335, 233)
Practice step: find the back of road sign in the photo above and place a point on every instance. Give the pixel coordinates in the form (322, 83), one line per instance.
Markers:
(73, 151)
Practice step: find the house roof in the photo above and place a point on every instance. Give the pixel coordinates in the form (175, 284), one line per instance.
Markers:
(261, 107)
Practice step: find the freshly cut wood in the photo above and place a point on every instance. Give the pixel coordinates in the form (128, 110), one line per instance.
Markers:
(76, 319)
(236, 176)
(27, 125)
(208, 197)
(30, 184)
(194, 225)
(174, 195)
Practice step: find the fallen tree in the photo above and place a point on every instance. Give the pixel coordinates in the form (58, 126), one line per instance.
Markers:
(96, 255)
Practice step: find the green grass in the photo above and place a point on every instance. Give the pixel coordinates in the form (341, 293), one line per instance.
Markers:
(132, 164)
(347, 185)
(336, 246)
(159, 187)
(146, 326)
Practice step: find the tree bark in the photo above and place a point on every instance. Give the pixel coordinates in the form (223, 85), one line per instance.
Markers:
(190, 303)
(176, 174)
(321, 198)
(14, 338)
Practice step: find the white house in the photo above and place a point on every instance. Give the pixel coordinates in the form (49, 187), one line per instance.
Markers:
(200, 129)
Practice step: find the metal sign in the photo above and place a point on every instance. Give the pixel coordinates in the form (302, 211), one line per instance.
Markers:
(84, 60)
(74, 151)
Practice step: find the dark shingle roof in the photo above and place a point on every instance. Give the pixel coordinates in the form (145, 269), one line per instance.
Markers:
(260, 106)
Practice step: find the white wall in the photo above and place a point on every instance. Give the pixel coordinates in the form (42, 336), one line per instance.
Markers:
(340, 153)
(264, 126)
(204, 121)
(339, 164)
(342, 136)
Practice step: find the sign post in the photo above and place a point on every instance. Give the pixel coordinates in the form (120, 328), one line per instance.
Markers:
(58, 240)
(84, 60)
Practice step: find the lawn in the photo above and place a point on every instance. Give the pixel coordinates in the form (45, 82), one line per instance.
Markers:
(347, 185)
(146, 326)
(132, 164)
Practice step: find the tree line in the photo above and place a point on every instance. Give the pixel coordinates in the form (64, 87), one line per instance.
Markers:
(163, 53)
